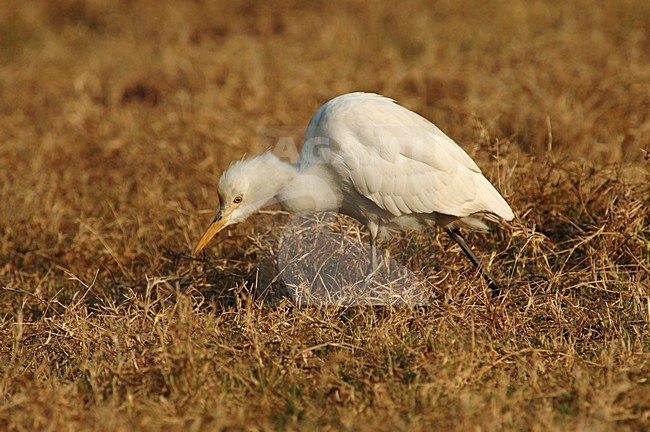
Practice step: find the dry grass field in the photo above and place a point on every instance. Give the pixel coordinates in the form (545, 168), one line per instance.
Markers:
(117, 117)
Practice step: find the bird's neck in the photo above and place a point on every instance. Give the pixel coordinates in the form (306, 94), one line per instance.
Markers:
(312, 189)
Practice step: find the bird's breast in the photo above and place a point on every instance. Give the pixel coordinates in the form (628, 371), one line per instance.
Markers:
(312, 190)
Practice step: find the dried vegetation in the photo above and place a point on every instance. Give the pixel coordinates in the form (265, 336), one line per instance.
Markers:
(117, 116)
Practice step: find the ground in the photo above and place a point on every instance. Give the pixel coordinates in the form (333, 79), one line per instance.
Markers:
(117, 118)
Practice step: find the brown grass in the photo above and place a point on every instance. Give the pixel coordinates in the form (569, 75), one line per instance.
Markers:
(117, 117)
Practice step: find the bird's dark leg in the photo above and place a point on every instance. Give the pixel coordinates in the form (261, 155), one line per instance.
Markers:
(373, 246)
(374, 266)
(455, 234)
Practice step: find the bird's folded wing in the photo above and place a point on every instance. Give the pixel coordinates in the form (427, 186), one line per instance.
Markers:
(398, 159)
(414, 169)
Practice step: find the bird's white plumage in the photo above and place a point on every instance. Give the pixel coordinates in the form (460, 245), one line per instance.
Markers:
(398, 160)
(370, 158)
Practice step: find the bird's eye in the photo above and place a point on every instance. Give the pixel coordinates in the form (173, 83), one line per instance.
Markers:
(237, 199)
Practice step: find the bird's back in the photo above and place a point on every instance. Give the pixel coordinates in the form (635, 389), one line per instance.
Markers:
(398, 161)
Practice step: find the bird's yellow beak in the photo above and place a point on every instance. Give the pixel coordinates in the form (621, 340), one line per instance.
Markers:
(217, 224)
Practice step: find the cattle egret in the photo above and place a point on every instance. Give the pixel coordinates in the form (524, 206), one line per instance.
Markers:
(369, 158)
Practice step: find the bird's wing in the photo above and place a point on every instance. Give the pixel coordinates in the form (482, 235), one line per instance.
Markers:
(399, 160)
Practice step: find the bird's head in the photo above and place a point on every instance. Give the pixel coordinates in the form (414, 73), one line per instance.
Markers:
(244, 188)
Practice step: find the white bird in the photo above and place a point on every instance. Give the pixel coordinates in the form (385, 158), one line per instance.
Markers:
(369, 158)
